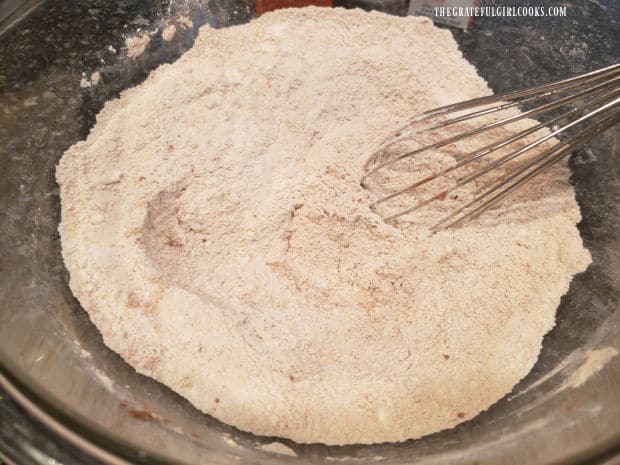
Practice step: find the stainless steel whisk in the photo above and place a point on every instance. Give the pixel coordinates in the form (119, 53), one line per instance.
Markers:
(598, 95)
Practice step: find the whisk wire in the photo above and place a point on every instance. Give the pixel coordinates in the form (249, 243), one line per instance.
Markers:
(606, 80)
(560, 152)
(495, 124)
(486, 150)
(479, 101)
(522, 115)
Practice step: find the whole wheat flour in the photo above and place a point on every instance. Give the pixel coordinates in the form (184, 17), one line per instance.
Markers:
(215, 230)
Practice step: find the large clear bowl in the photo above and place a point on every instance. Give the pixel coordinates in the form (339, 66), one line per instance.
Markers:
(53, 361)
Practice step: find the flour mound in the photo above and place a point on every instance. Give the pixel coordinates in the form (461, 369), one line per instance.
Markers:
(216, 232)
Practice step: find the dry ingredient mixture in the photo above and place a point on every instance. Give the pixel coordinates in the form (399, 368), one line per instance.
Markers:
(168, 33)
(215, 230)
(137, 45)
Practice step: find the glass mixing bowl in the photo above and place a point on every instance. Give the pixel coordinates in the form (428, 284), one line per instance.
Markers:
(53, 361)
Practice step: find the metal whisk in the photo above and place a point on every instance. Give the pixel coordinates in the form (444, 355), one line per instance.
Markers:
(587, 105)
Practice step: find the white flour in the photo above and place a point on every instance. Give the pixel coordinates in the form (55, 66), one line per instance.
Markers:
(216, 232)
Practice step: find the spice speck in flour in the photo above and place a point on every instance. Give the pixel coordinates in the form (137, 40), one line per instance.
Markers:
(216, 232)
